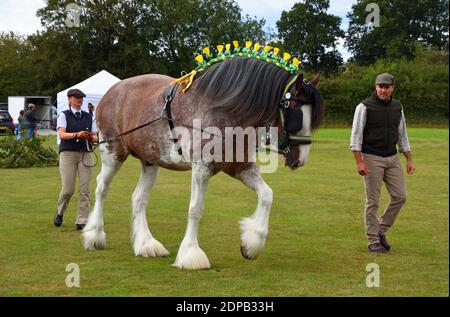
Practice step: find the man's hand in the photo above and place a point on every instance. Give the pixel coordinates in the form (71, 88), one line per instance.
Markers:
(410, 168)
(360, 165)
(362, 168)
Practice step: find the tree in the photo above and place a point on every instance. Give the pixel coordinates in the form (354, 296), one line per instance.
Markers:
(132, 37)
(182, 28)
(403, 24)
(308, 31)
(222, 22)
(16, 67)
(109, 36)
(126, 37)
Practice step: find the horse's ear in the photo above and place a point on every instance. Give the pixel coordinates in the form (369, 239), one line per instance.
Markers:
(316, 80)
(299, 82)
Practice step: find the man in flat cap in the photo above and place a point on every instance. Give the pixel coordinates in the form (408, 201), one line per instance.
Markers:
(378, 127)
(77, 130)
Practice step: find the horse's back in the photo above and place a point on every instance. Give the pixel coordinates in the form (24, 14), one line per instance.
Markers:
(126, 102)
(128, 97)
(133, 88)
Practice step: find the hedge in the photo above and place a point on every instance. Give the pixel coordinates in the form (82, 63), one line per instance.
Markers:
(422, 88)
(25, 153)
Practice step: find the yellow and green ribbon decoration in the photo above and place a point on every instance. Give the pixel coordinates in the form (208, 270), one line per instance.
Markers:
(221, 53)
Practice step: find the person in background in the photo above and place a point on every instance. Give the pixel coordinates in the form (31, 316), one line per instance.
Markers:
(75, 129)
(22, 125)
(31, 120)
(91, 109)
(378, 127)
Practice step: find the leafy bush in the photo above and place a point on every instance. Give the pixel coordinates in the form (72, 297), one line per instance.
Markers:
(422, 87)
(26, 153)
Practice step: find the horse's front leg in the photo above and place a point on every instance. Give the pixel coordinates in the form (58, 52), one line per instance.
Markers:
(190, 256)
(93, 233)
(254, 229)
(144, 244)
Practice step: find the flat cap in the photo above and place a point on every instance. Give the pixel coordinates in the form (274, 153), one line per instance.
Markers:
(385, 79)
(75, 93)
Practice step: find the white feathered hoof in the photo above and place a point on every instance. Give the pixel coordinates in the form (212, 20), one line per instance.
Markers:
(252, 240)
(191, 258)
(150, 248)
(251, 252)
(94, 239)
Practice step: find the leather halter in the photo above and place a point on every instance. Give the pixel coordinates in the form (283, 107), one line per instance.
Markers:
(290, 135)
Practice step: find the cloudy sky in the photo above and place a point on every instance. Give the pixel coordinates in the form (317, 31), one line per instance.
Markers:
(20, 16)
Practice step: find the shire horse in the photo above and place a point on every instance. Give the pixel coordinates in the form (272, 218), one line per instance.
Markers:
(236, 92)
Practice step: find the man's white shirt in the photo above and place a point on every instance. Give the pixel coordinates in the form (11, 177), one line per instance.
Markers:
(359, 122)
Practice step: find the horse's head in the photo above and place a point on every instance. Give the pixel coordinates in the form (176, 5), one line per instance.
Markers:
(302, 115)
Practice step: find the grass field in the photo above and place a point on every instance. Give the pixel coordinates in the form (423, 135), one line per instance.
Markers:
(316, 244)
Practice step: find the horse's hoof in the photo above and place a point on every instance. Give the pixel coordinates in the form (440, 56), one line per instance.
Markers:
(94, 239)
(246, 254)
(151, 248)
(191, 258)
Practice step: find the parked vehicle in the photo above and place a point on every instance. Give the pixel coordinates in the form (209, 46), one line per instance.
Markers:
(6, 123)
(43, 108)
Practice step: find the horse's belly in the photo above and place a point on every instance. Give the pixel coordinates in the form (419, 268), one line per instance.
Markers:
(166, 155)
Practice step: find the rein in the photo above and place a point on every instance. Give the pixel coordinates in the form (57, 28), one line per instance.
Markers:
(117, 137)
(169, 94)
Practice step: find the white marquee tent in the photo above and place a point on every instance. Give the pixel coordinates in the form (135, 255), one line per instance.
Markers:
(94, 88)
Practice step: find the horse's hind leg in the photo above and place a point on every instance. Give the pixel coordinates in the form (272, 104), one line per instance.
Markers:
(142, 240)
(93, 234)
(190, 256)
(254, 229)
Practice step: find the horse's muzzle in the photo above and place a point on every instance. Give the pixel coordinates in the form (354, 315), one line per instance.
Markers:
(293, 164)
(292, 159)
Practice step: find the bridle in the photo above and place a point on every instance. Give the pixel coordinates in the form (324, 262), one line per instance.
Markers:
(292, 117)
